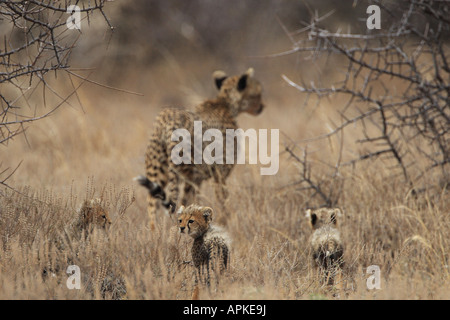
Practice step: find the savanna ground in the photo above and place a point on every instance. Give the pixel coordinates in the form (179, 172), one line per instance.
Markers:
(95, 145)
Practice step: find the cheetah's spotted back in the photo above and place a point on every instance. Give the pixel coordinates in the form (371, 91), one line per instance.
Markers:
(172, 184)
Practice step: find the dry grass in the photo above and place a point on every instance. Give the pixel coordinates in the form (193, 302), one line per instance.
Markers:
(94, 147)
(96, 152)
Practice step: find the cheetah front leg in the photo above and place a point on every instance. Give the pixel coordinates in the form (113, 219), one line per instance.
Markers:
(220, 188)
(217, 262)
(197, 277)
(221, 192)
(189, 194)
(155, 194)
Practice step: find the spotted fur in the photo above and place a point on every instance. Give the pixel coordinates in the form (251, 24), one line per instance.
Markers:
(92, 214)
(173, 185)
(210, 249)
(327, 249)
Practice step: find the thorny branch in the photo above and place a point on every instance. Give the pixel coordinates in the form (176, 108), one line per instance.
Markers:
(397, 79)
(35, 43)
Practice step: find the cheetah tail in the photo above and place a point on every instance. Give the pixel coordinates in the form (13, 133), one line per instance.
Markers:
(156, 191)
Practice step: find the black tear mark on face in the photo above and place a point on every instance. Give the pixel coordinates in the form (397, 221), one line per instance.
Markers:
(242, 83)
(219, 82)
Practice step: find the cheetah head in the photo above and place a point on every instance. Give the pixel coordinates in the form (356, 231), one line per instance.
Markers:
(241, 93)
(194, 220)
(323, 216)
(93, 213)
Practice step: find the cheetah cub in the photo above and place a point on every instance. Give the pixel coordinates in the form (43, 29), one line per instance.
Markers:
(326, 244)
(210, 249)
(92, 214)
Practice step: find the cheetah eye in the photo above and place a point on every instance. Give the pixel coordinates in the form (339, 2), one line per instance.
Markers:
(191, 221)
(180, 221)
(103, 216)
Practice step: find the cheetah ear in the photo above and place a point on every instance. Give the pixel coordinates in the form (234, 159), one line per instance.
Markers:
(313, 219)
(242, 83)
(308, 214)
(311, 216)
(180, 210)
(207, 213)
(338, 212)
(219, 77)
(250, 72)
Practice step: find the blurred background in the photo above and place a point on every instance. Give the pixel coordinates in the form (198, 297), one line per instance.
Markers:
(166, 52)
(162, 54)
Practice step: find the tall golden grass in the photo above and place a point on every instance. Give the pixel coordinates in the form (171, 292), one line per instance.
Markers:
(93, 147)
(95, 151)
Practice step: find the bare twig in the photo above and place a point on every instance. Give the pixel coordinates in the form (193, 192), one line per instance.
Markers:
(407, 65)
(36, 43)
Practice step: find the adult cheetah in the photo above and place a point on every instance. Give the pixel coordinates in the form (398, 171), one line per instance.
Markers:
(175, 184)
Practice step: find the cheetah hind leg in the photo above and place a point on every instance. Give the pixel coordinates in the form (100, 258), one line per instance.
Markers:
(174, 186)
(156, 194)
(151, 211)
(196, 290)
